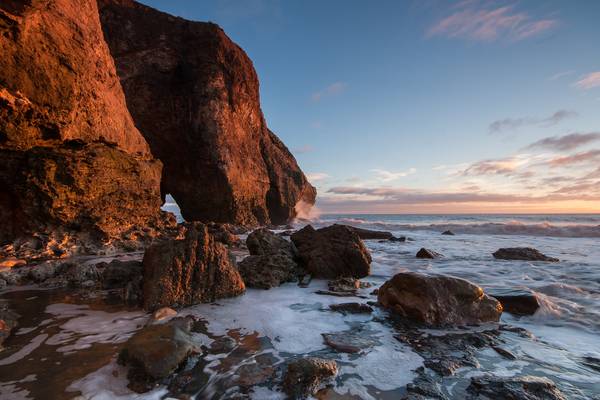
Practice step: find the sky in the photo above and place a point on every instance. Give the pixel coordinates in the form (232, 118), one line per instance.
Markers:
(428, 106)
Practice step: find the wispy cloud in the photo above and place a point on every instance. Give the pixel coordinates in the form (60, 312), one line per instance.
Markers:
(566, 142)
(317, 176)
(388, 176)
(501, 166)
(331, 90)
(574, 159)
(478, 23)
(561, 75)
(304, 149)
(589, 81)
(510, 124)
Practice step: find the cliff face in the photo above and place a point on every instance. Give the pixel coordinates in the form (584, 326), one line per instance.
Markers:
(194, 95)
(70, 155)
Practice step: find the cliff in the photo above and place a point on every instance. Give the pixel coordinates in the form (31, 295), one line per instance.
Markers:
(194, 95)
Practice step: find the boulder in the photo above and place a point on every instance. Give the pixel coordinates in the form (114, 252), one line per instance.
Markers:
(516, 301)
(264, 242)
(268, 271)
(367, 234)
(448, 233)
(438, 300)
(523, 254)
(118, 274)
(194, 95)
(224, 233)
(426, 253)
(352, 308)
(519, 387)
(348, 341)
(332, 252)
(305, 376)
(193, 269)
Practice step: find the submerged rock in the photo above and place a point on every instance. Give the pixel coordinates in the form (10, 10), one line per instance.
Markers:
(438, 300)
(448, 233)
(194, 95)
(352, 308)
(305, 376)
(522, 253)
(191, 270)
(268, 271)
(516, 301)
(349, 341)
(518, 388)
(332, 252)
(426, 253)
(8, 322)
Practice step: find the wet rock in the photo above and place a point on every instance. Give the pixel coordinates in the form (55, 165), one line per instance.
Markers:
(8, 263)
(163, 313)
(438, 300)
(305, 376)
(353, 341)
(518, 388)
(444, 366)
(423, 387)
(305, 280)
(397, 239)
(352, 308)
(8, 322)
(332, 252)
(3, 284)
(118, 274)
(191, 270)
(516, 301)
(268, 271)
(426, 253)
(504, 353)
(236, 169)
(522, 253)
(254, 374)
(592, 362)
(448, 232)
(366, 234)
(156, 351)
(224, 233)
(264, 242)
(77, 275)
(338, 294)
(344, 284)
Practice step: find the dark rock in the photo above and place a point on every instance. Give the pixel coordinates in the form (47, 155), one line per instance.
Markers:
(516, 301)
(305, 280)
(118, 274)
(304, 376)
(592, 362)
(522, 253)
(504, 353)
(264, 242)
(444, 366)
(349, 341)
(514, 388)
(438, 300)
(194, 95)
(156, 351)
(449, 233)
(352, 308)
(223, 233)
(195, 269)
(332, 252)
(8, 322)
(366, 234)
(344, 284)
(268, 271)
(338, 294)
(426, 253)
(397, 239)
(423, 387)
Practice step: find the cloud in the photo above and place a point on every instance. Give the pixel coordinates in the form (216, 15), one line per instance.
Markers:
(510, 124)
(387, 176)
(304, 149)
(589, 81)
(566, 142)
(501, 166)
(331, 90)
(317, 176)
(476, 23)
(561, 75)
(578, 158)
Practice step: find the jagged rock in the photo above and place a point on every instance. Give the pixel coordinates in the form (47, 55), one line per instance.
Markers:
(8, 322)
(194, 95)
(332, 252)
(157, 351)
(224, 233)
(70, 156)
(352, 308)
(268, 271)
(448, 233)
(438, 300)
(191, 270)
(118, 274)
(426, 253)
(305, 376)
(518, 388)
(163, 313)
(522, 253)
(516, 301)
(366, 234)
(11, 262)
(264, 242)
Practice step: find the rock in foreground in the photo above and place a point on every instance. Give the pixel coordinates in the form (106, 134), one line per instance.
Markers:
(438, 300)
(516, 301)
(332, 252)
(268, 271)
(264, 242)
(305, 376)
(524, 387)
(367, 234)
(195, 269)
(523, 254)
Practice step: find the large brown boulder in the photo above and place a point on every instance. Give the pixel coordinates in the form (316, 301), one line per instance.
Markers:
(70, 155)
(193, 269)
(332, 252)
(194, 95)
(438, 300)
(304, 376)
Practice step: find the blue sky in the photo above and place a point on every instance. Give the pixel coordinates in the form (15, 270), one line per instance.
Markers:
(428, 106)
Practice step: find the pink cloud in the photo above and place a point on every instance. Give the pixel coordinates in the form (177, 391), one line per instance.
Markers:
(589, 81)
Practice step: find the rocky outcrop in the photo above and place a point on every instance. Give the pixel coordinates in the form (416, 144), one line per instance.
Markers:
(264, 242)
(305, 376)
(71, 158)
(522, 254)
(521, 387)
(516, 301)
(367, 234)
(438, 300)
(332, 252)
(194, 95)
(193, 269)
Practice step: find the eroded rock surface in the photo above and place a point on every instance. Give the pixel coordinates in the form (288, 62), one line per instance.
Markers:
(522, 253)
(438, 300)
(523, 387)
(193, 269)
(305, 376)
(194, 95)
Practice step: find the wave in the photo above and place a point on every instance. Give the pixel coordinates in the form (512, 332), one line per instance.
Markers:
(481, 228)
